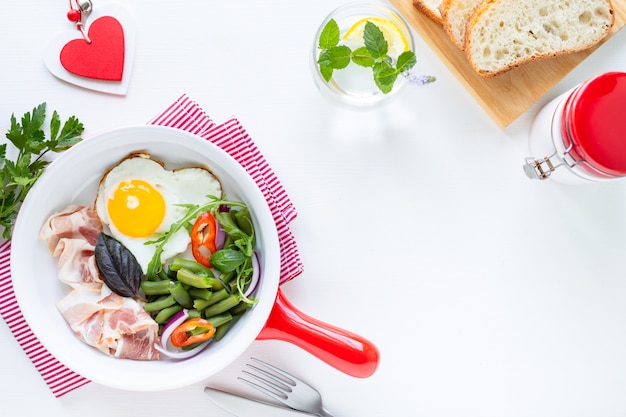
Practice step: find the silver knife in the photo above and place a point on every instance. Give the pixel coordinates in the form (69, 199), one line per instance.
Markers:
(248, 407)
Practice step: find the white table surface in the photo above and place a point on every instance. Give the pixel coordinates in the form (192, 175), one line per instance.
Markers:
(488, 294)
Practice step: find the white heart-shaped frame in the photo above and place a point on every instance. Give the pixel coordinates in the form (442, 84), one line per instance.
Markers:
(53, 49)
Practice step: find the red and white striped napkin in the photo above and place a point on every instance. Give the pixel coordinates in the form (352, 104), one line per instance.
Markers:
(184, 114)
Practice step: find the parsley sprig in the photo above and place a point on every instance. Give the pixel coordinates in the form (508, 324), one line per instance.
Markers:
(18, 176)
(374, 54)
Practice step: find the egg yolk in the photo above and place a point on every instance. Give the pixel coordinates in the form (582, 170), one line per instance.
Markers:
(136, 208)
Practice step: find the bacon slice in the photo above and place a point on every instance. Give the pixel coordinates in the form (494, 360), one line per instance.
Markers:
(117, 326)
(72, 222)
(71, 235)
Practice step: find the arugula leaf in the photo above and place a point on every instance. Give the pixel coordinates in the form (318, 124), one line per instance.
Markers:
(28, 137)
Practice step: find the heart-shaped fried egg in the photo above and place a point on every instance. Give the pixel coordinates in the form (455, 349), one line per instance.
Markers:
(138, 201)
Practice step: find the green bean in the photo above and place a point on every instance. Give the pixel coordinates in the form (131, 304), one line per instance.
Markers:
(220, 319)
(156, 287)
(239, 309)
(193, 266)
(216, 284)
(159, 304)
(215, 298)
(201, 293)
(163, 276)
(227, 277)
(193, 313)
(222, 306)
(180, 294)
(198, 330)
(192, 279)
(165, 314)
(223, 329)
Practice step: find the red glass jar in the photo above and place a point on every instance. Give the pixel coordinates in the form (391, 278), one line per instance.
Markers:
(580, 136)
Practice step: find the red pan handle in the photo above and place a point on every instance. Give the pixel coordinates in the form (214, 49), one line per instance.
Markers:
(344, 350)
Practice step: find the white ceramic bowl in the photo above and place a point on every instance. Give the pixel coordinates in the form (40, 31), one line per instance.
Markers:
(73, 178)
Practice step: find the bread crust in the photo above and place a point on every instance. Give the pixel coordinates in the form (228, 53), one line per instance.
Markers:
(473, 24)
(446, 8)
(433, 13)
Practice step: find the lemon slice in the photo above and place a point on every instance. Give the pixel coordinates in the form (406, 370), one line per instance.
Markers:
(393, 35)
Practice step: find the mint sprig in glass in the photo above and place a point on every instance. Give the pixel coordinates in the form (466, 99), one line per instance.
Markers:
(363, 54)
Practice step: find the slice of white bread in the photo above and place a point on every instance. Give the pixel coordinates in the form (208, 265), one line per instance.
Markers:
(454, 16)
(430, 8)
(503, 34)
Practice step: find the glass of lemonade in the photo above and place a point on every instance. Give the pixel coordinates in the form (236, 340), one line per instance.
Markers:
(354, 85)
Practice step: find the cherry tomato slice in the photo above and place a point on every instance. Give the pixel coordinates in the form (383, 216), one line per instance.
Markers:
(182, 336)
(203, 235)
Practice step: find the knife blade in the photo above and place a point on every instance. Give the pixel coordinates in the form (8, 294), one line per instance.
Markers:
(248, 407)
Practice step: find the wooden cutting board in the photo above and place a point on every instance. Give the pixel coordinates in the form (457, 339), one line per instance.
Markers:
(505, 96)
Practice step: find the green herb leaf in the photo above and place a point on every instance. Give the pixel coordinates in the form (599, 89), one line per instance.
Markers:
(384, 77)
(118, 266)
(227, 260)
(375, 40)
(67, 137)
(330, 35)
(361, 56)
(339, 56)
(406, 61)
(19, 175)
(327, 72)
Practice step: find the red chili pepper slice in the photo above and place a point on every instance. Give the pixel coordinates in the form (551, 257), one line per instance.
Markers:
(203, 235)
(182, 336)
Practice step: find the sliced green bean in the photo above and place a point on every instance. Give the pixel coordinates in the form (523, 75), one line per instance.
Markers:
(193, 266)
(228, 276)
(239, 309)
(163, 276)
(164, 315)
(159, 304)
(222, 306)
(180, 294)
(223, 329)
(216, 284)
(201, 293)
(220, 319)
(193, 313)
(192, 279)
(198, 330)
(215, 298)
(156, 287)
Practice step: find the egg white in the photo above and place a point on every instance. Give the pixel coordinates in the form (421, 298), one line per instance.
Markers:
(181, 186)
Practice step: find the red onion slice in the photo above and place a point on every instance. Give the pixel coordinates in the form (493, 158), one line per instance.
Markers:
(220, 236)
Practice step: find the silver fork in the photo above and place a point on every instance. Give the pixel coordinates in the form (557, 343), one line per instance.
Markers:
(285, 388)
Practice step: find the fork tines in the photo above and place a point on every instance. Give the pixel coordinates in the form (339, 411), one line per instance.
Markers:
(272, 381)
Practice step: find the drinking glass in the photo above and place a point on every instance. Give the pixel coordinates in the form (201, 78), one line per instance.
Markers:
(354, 85)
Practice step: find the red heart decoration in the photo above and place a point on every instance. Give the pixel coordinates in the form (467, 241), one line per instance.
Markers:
(103, 58)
